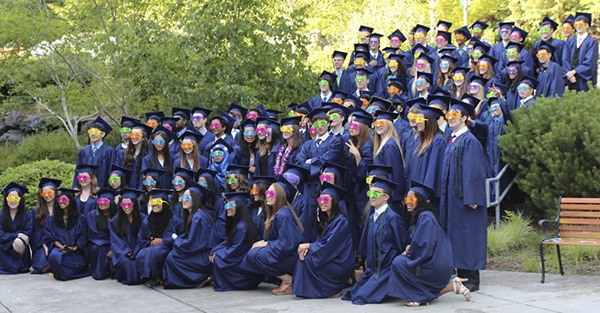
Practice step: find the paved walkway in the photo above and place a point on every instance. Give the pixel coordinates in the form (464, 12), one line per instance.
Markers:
(500, 292)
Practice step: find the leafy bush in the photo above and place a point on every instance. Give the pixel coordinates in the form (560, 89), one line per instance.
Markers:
(513, 233)
(30, 174)
(6, 155)
(553, 147)
(45, 145)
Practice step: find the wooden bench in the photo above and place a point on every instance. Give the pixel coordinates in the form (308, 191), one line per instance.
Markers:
(577, 224)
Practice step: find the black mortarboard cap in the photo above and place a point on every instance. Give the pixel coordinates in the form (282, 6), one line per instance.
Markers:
(385, 115)
(506, 24)
(517, 45)
(449, 58)
(530, 81)
(465, 31)
(121, 171)
(165, 132)
(328, 75)
(273, 114)
(318, 113)
(363, 119)
(145, 128)
(338, 107)
(520, 31)
(45, 182)
(205, 171)
(341, 54)
(363, 72)
(247, 123)
(221, 144)
(446, 35)
(366, 29)
(418, 47)
(441, 100)
(333, 190)
(155, 173)
(432, 113)
(237, 196)
(12, 186)
(478, 79)
(160, 194)
(101, 124)
(489, 59)
(130, 193)
(187, 175)
(85, 168)
(585, 16)
(268, 180)
(298, 169)
(423, 190)
(461, 69)
(237, 169)
(444, 23)
(239, 108)
(335, 168)
(420, 27)
(155, 115)
(569, 19)
(181, 112)
(384, 184)
(472, 100)
(198, 189)
(289, 121)
(547, 46)
(68, 191)
(548, 21)
(127, 121)
(205, 112)
(381, 103)
(361, 47)
(397, 33)
(290, 190)
(481, 24)
(481, 46)
(427, 76)
(466, 108)
(107, 193)
(377, 169)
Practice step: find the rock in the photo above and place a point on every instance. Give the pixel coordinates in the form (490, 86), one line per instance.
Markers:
(13, 136)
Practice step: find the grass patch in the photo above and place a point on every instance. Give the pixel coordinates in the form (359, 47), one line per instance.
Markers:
(514, 232)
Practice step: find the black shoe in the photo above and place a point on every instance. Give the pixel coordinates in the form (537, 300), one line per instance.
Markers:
(150, 283)
(472, 287)
(206, 282)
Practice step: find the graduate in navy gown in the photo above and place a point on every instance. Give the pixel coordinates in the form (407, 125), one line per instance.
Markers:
(48, 189)
(221, 126)
(155, 238)
(546, 29)
(257, 211)
(495, 120)
(182, 178)
(189, 156)
(580, 55)
(384, 237)
(98, 235)
(360, 148)
(97, 153)
(326, 85)
(118, 179)
(325, 265)
(287, 150)
(526, 90)
(16, 228)
(214, 203)
(199, 119)
(549, 73)
(131, 158)
(124, 131)
(421, 273)
(276, 255)
(159, 156)
(124, 229)
(425, 160)
(387, 151)
(187, 265)
(341, 82)
(244, 151)
(462, 209)
(151, 179)
(87, 186)
(65, 235)
(241, 234)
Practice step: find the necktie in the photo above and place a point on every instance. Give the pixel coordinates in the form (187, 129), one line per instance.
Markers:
(452, 138)
(318, 142)
(375, 215)
(324, 99)
(339, 76)
(94, 151)
(579, 41)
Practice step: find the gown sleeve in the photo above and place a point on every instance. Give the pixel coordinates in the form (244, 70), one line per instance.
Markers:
(327, 247)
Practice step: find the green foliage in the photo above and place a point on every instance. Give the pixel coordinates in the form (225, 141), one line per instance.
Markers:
(6, 155)
(46, 145)
(30, 174)
(512, 234)
(553, 147)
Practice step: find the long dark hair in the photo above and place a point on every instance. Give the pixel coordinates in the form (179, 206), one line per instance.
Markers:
(189, 215)
(241, 215)
(42, 211)
(165, 153)
(212, 197)
(322, 219)
(122, 220)
(422, 206)
(73, 212)
(130, 152)
(246, 148)
(101, 220)
(21, 211)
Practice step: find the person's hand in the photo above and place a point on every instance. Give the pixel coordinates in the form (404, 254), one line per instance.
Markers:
(352, 148)
(573, 79)
(109, 254)
(373, 63)
(259, 244)
(406, 250)
(45, 249)
(252, 169)
(571, 74)
(473, 206)
(156, 242)
(211, 258)
(303, 250)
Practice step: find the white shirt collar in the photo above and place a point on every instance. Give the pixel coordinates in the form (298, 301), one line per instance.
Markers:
(460, 131)
(327, 95)
(379, 211)
(526, 99)
(582, 37)
(324, 137)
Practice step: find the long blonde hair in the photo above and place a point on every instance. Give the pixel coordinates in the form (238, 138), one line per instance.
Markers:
(379, 142)
(280, 203)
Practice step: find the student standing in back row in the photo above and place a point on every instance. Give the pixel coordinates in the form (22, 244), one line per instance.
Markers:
(97, 153)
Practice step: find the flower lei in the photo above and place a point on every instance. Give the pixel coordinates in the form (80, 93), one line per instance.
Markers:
(283, 154)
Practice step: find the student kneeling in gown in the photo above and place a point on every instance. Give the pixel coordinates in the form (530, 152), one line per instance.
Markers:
(16, 226)
(421, 273)
(325, 265)
(241, 233)
(98, 235)
(187, 265)
(65, 233)
(155, 238)
(124, 230)
(276, 255)
(384, 237)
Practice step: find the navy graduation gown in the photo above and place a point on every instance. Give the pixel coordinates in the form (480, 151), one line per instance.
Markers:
(39, 259)
(551, 82)
(463, 184)
(328, 264)
(556, 56)
(134, 180)
(390, 155)
(427, 168)
(421, 274)
(87, 206)
(258, 218)
(149, 260)
(227, 273)
(202, 160)
(165, 179)
(344, 83)
(104, 158)
(358, 187)
(292, 158)
(10, 261)
(306, 216)
(381, 242)
(316, 101)
(279, 256)
(462, 56)
(125, 269)
(187, 264)
(587, 68)
(204, 144)
(98, 246)
(67, 265)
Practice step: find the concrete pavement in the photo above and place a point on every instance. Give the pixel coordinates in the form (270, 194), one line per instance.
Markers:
(500, 292)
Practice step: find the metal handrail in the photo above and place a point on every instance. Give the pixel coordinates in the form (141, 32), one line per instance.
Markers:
(497, 199)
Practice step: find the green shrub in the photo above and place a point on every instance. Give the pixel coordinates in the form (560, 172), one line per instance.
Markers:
(554, 149)
(30, 174)
(6, 155)
(46, 145)
(513, 233)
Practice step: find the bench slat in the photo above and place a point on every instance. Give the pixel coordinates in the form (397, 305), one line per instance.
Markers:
(585, 214)
(579, 221)
(578, 207)
(573, 243)
(580, 228)
(574, 234)
(580, 200)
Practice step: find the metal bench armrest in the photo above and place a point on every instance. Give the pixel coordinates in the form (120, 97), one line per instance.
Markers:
(544, 225)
